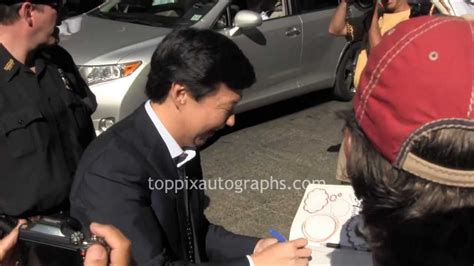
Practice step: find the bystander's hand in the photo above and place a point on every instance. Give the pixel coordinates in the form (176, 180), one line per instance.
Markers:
(287, 253)
(8, 243)
(120, 247)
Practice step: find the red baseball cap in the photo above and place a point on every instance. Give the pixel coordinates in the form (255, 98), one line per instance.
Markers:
(418, 79)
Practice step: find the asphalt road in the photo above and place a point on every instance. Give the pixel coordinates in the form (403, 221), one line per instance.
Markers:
(284, 142)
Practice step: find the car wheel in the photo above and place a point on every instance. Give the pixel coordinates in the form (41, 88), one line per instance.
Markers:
(344, 88)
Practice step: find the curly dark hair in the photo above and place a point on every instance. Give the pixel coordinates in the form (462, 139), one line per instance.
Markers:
(410, 220)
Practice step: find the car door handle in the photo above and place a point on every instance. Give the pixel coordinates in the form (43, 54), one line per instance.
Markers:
(292, 32)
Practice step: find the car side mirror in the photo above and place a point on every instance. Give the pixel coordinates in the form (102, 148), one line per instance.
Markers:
(246, 19)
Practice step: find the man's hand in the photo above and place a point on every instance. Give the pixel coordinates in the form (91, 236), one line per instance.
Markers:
(375, 36)
(8, 243)
(262, 244)
(120, 247)
(287, 253)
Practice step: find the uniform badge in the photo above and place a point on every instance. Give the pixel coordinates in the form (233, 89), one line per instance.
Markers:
(66, 81)
(9, 65)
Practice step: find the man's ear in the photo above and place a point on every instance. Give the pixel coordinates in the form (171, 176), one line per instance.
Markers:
(25, 13)
(178, 94)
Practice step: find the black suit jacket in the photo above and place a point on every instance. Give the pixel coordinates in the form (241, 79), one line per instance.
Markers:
(111, 186)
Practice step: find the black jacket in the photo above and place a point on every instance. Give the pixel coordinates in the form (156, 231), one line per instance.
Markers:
(45, 126)
(111, 186)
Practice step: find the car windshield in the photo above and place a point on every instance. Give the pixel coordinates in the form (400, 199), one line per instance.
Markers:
(159, 13)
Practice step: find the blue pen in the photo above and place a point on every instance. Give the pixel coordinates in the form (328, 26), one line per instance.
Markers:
(277, 235)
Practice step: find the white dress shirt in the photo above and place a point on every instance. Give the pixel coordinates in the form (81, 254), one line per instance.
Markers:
(173, 146)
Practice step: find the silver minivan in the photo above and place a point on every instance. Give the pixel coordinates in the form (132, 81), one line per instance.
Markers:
(287, 41)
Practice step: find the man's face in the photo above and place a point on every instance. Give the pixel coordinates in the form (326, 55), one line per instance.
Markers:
(46, 18)
(393, 5)
(205, 117)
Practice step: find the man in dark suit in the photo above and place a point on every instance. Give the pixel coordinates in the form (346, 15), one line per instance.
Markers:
(195, 81)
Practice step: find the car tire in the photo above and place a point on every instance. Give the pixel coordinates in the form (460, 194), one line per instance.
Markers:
(344, 88)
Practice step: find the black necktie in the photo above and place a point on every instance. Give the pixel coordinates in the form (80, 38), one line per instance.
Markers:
(189, 230)
(180, 158)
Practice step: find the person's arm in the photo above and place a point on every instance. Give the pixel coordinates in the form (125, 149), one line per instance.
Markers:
(338, 24)
(266, 251)
(354, 29)
(8, 243)
(221, 243)
(375, 36)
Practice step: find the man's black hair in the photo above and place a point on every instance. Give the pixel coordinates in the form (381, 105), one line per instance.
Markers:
(199, 60)
(8, 14)
(9, 9)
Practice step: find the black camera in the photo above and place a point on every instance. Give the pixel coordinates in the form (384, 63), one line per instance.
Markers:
(54, 231)
(364, 4)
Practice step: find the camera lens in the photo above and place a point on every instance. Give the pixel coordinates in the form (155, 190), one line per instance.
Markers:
(364, 4)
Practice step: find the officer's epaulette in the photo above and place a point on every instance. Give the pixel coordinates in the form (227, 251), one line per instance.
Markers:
(9, 65)
(8, 68)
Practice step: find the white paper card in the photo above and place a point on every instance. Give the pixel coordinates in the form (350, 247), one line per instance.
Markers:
(329, 214)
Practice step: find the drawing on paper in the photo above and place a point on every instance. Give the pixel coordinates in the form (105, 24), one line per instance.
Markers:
(320, 227)
(329, 214)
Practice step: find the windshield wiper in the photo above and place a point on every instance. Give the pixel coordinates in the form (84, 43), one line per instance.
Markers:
(139, 21)
(126, 18)
(101, 15)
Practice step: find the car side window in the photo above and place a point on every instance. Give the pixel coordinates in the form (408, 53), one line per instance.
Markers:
(305, 6)
(225, 19)
(268, 9)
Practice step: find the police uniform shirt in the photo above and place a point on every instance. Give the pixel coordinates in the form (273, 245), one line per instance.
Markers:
(44, 128)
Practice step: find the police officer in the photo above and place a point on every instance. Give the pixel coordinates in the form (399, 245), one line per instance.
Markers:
(45, 110)
(45, 123)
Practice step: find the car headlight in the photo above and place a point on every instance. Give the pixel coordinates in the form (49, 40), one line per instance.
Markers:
(97, 74)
